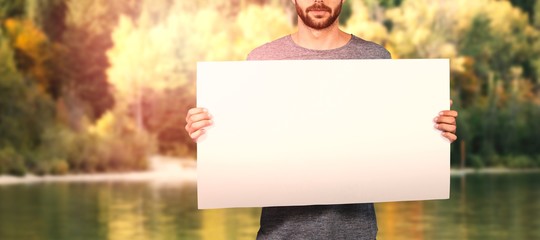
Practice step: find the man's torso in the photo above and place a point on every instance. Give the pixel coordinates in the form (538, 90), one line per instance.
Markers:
(350, 221)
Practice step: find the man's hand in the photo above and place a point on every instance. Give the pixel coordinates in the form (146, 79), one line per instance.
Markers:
(197, 120)
(446, 122)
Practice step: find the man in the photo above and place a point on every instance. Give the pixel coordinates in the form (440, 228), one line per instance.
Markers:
(318, 37)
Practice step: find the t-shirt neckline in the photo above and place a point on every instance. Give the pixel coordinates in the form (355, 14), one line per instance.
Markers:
(291, 41)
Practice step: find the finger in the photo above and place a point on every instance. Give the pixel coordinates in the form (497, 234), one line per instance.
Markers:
(450, 136)
(451, 102)
(188, 127)
(199, 117)
(194, 126)
(197, 134)
(447, 120)
(194, 111)
(446, 127)
(450, 113)
(201, 124)
(197, 110)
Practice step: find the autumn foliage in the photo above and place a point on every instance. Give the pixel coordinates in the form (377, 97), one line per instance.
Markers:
(97, 85)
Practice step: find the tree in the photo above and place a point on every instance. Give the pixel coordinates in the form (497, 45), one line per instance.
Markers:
(156, 83)
(493, 64)
(84, 41)
(363, 25)
(25, 111)
(535, 16)
(527, 6)
(11, 9)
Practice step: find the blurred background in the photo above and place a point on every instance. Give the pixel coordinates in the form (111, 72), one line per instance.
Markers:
(93, 96)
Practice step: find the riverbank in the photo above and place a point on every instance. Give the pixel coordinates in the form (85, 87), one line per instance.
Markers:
(163, 170)
(497, 170)
(167, 170)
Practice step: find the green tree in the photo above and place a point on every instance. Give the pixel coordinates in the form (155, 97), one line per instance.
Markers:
(527, 6)
(11, 9)
(53, 51)
(536, 15)
(25, 111)
(390, 3)
(494, 70)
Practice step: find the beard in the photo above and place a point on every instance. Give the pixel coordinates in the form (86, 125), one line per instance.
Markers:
(312, 22)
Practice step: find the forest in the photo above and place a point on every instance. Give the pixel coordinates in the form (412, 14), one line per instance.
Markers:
(98, 86)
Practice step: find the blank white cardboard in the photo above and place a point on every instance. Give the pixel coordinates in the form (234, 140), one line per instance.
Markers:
(322, 132)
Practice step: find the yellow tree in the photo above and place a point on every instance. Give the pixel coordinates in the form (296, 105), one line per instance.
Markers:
(153, 62)
(362, 25)
(424, 28)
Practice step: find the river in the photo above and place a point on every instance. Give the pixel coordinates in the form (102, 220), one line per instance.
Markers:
(144, 206)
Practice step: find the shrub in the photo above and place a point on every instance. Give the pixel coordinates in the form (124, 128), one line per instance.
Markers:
(11, 162)
(59, 167)
(519, 161)
(476, 161)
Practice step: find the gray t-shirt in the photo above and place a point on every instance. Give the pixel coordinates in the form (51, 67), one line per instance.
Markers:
(286, 49)
(349, 221)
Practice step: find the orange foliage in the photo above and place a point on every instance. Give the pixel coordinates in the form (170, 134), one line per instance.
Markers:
(32, 47)
(466, 81)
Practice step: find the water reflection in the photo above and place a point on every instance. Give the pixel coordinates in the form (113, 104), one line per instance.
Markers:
(499, 206)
